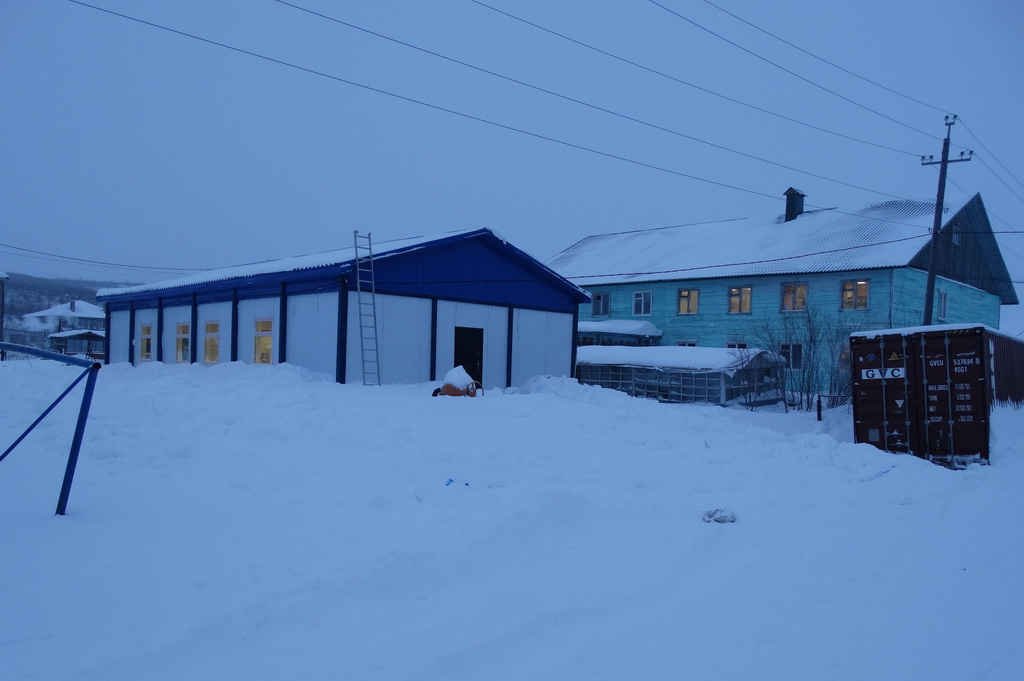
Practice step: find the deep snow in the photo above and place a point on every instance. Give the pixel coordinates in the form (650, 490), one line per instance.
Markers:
(242, 522)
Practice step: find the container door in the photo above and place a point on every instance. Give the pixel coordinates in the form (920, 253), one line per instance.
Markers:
(881, 393)
(954, 395)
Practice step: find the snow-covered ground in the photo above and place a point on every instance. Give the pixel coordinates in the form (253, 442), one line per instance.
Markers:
(240, 522)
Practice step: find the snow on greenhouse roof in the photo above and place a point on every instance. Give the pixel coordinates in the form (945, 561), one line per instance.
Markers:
(341, 257)
(667, 356)
(885, 234)
(623, 326)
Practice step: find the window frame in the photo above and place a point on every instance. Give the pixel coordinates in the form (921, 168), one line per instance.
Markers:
(601, 305)
(737, 345)
(739, 297)
(259, 336)
(207, 337)
(686, 343)
(855, 283)
(794, 360)
(692, 301)
(942, 305)
(797, 285)
(646, 298)
(145, 342)
(183, 342)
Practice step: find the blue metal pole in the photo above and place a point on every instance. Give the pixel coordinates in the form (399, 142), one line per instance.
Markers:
(76, 443)
(46, 354)
(43, 415)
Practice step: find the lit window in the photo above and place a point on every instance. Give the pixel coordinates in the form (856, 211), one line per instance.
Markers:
(689, 301)
(943, 302)
(146, 343)
(794, 297)
(211, 343)
(264, 341)
(642, 303)
(855, 295)
(601, 305)
(794, 355)
(181, 344)
(739, 300)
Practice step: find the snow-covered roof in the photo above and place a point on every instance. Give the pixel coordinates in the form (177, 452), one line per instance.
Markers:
(623, 326)
(911, 330)
(885, 234)
(341, 256)
(668, 356)
(78, 332)
(83, 310)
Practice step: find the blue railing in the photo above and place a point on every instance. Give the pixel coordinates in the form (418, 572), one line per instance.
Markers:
(91, 370)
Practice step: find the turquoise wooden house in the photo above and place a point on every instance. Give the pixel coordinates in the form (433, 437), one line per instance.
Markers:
(797, 284)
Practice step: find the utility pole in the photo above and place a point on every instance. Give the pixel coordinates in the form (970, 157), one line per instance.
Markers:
(933, 255)
(3, 311)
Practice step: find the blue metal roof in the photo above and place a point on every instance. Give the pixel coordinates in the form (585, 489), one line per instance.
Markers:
(472, 266)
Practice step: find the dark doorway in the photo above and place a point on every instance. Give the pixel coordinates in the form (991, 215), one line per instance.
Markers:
(469, 351)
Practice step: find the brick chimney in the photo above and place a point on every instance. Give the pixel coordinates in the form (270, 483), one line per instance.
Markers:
(794, 203)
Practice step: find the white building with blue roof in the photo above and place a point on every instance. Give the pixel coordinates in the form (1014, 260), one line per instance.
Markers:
(465, 298)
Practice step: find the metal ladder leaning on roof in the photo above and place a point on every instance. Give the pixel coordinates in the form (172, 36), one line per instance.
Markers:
(367, 301)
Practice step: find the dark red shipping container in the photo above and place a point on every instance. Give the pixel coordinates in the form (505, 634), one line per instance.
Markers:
(928, 391)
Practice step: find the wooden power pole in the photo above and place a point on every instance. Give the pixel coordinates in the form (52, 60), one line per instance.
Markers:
(3, 310)
(933, 255)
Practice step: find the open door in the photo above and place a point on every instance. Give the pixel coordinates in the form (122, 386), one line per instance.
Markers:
(469, 351)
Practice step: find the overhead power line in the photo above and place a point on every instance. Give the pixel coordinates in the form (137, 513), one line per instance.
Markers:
(680, 81)
(68, 258)
(444, 109)
(579, 101)
(792, 73)
(996, 175)
(988, 211)
(748, 262)
(419, 102)
(764, 261)
(696, 268)
(989, 151)
(826, 61)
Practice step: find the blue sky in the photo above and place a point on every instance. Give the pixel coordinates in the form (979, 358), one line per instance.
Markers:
(125, 143)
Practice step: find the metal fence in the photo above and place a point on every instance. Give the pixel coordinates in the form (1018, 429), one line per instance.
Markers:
(752, 387)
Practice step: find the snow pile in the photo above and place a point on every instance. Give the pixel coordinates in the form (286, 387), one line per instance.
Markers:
(242, 522)
(458, 378)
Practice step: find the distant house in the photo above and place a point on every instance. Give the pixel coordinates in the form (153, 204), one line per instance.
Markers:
(797, 284)
(79, 342)
(76, 314)
(467, 298)
(72, 328)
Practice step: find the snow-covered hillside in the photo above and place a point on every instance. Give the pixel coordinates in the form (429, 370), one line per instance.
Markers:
(241, 522)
